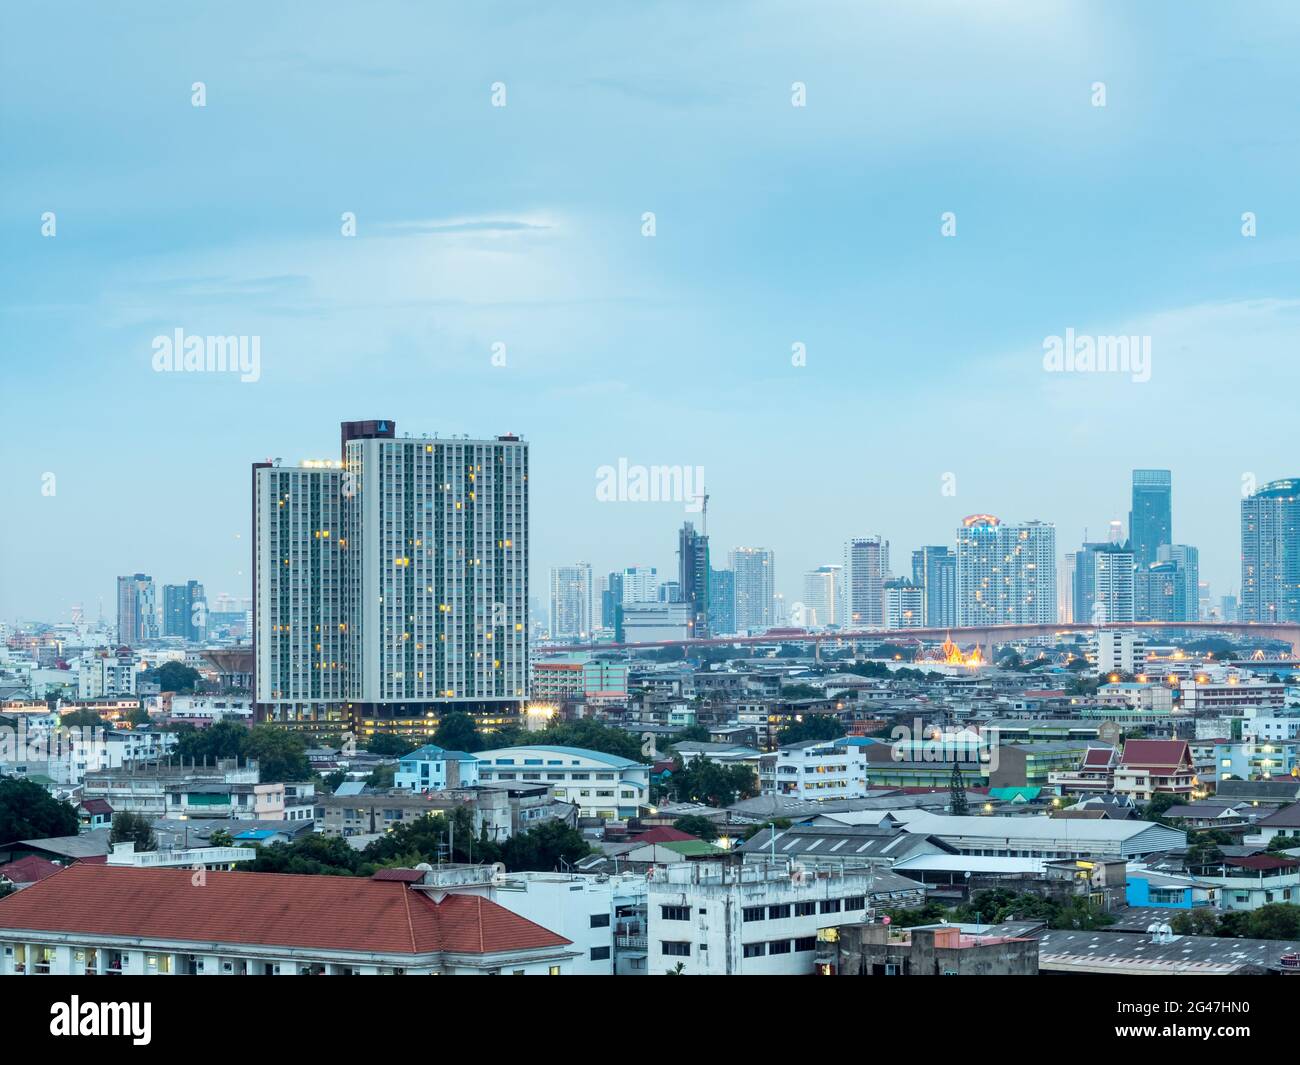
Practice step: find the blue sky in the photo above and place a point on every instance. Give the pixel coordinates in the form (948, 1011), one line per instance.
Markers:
(522, 225)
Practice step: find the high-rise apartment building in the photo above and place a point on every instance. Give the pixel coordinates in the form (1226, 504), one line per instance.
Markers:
(823, 594)
(934, 571)
(184, 611)
(640, 584)
(693, 576)
(391, 586)
(1112, 584)
(137, 610)
(904, 604)
(866, 564)
(1006, 574)
(1183, 601)
(571, 601)
(755, 582)
(722, 602)
(1270, 553)
(1065, 572)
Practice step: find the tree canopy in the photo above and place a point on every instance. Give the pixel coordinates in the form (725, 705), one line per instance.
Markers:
(28, 811)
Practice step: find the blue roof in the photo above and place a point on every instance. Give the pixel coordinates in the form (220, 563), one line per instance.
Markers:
(576, 752)
(433, 753)
(255, 833)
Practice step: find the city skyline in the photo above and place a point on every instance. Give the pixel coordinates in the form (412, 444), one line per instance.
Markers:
(800, 279)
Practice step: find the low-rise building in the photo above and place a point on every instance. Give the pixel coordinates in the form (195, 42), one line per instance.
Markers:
(431, 768)
(164, 923)
(1148, 767)
(602, 786)
(815, 770)
(880, 950)
(759, 918)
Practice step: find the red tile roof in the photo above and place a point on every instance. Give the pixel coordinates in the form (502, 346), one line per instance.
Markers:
(313, 912)
(1098, 757)
(1257, 861)
(663, 834)
(1155, 754)
(28, 870)
(96, 806)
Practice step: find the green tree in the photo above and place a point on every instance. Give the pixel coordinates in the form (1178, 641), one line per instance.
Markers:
(281, 755)
(28, 811)
(592, 736)
(801, 691)
(386, 745)
(1198, 922)
(133, 828)
(544, 847)
(812, 727)
(382, 777)
(1276, 920)
(691, 734)
(311, 854)
(695, 825)
(82, 719)
(957, 804)
(176, 677)
(457, 731)
(221, 838)
(711, 783)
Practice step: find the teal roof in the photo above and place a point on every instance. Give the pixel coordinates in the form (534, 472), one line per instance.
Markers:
(575, 752)
(1015, 794)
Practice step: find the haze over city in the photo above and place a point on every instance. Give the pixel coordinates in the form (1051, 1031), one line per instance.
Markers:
(523, 226)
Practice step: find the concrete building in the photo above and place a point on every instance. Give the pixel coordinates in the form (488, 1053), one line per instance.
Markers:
(755, 577)
(602, 786)
(105, 673)
(823, 592)
(880, 950)
(759, 918)
(904, 604)
(1118, 650)
(431, 768)
(391, 585)
(1270, 553)
(1006, 574)
(866, 565)
(815, 770)
(650, 622)
(571, 602)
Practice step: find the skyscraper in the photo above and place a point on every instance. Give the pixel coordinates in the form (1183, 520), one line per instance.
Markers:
(904, 604)
(392, 585)
(137, 610)
(934, 571)
(1270, 553)
(1186, 559)
(611, 601)
(571, 601)
(640, 584)
(1065, 572)
(1112, 584)
(1150, 526)
(1006, 574)
(823, 592)
(722, 602)
(693, 576)
(866, 562)
(755, 577)
(184, 611)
